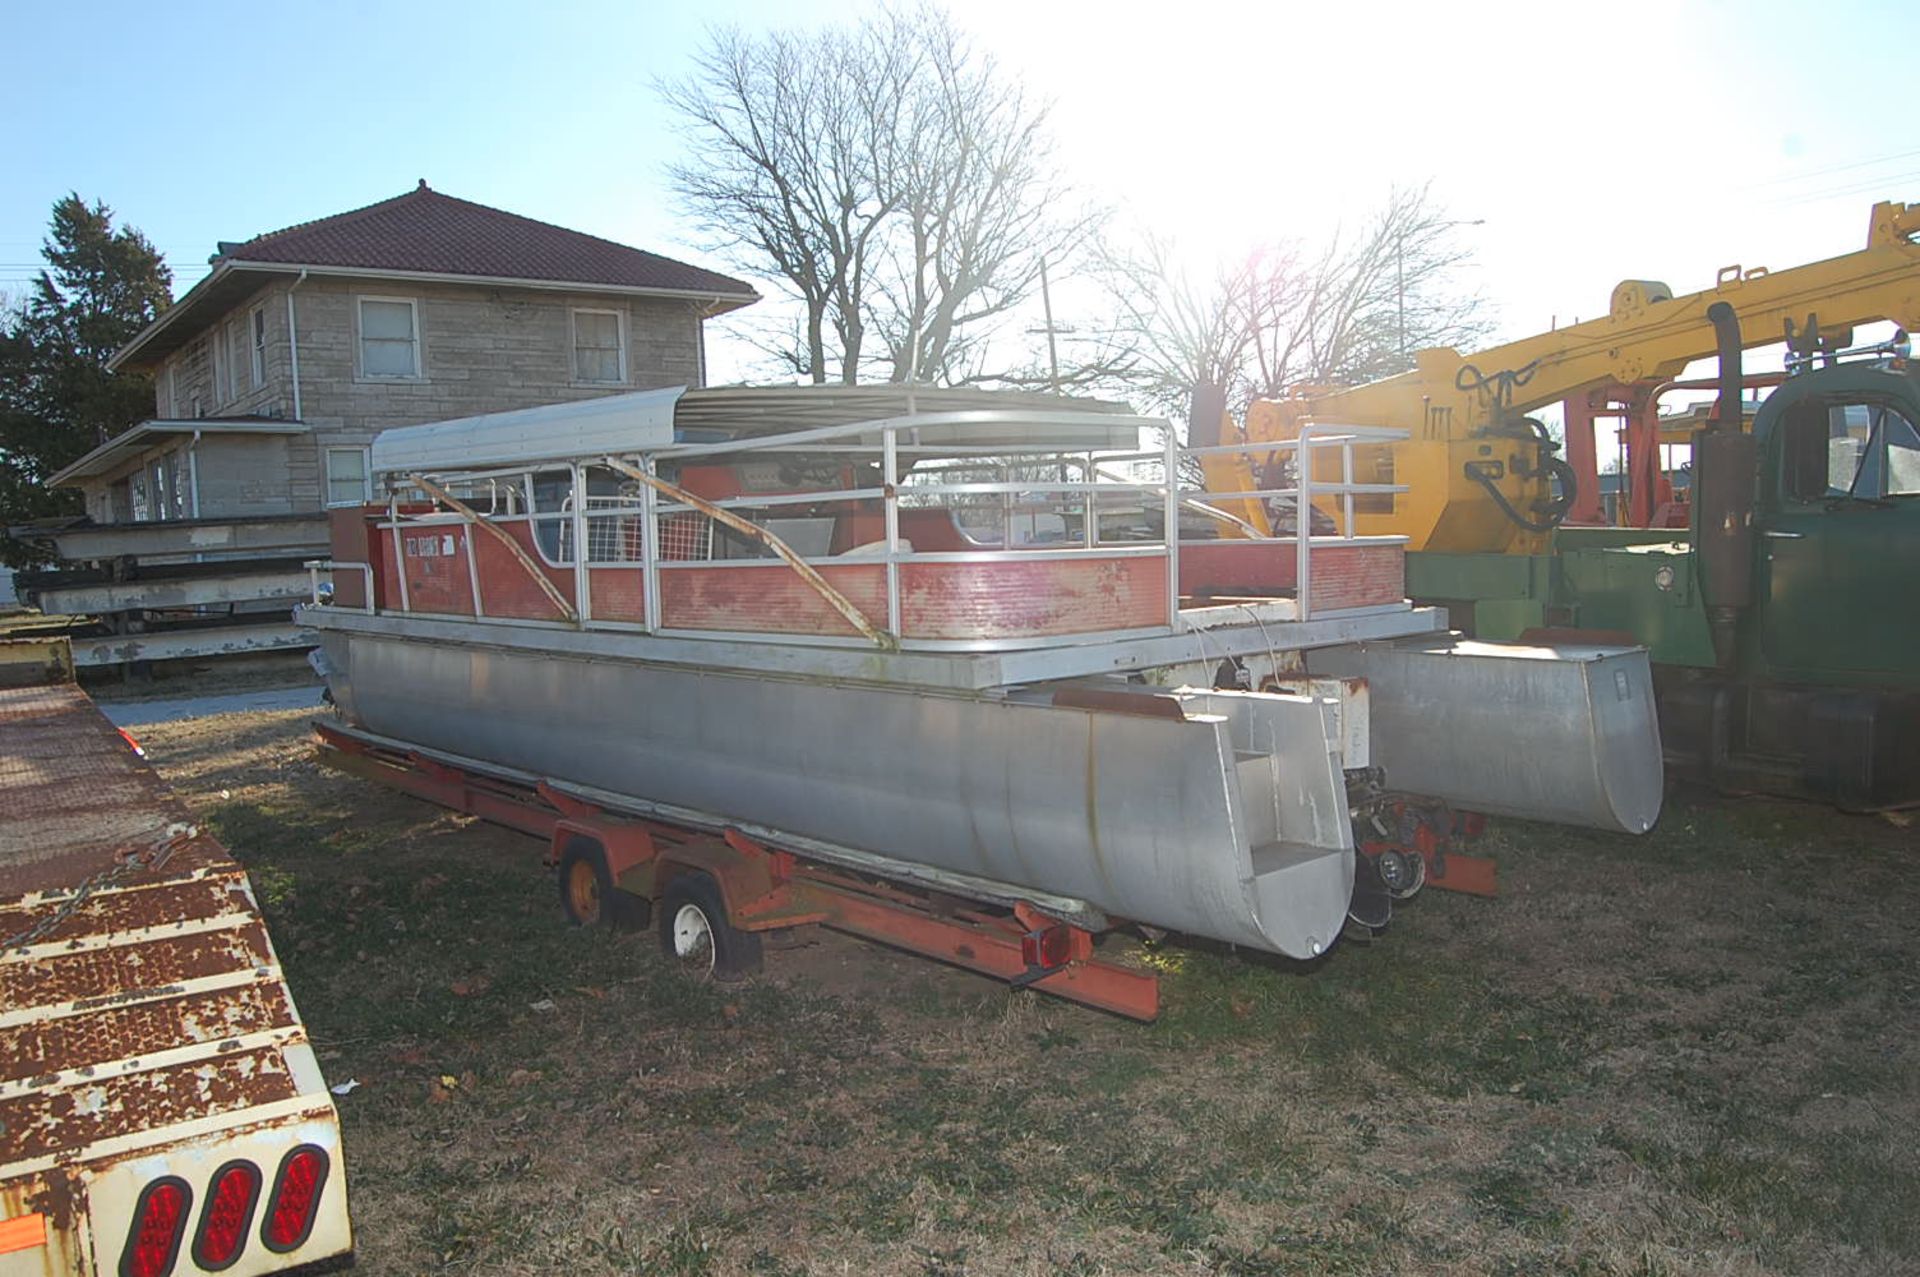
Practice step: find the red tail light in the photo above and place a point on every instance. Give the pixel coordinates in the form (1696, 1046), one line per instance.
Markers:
(159, 1224)
(231, 1197)
(296, 1198)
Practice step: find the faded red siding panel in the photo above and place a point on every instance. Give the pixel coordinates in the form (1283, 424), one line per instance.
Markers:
(617, 594)
(435, 561)
(505, 587)
(1236, 567)
(1357, 576)
(771, 599)
(349, 541)
(1343, 576)
(1045, 596)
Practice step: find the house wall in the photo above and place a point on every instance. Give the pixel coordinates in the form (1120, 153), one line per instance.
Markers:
(185, 386)
(246, 475)
(234, 476)
(480, 349)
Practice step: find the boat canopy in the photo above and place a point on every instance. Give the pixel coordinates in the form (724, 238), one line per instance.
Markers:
(587, 427)
(650, 420)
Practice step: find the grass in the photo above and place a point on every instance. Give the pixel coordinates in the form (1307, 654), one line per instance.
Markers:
(1688, 1053)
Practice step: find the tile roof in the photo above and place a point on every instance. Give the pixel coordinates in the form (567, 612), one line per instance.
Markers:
(432, 233)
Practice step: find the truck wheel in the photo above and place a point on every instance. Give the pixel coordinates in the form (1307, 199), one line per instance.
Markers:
(695, 933)
(588, 896)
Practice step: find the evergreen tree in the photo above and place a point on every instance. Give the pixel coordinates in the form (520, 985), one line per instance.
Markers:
(57, 399)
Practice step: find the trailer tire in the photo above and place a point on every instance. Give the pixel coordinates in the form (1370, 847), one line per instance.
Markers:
(588, 895)
(695, 933)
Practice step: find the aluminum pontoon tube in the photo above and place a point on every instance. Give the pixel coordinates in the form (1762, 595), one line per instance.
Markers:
(1227, 821)
(1561, 733)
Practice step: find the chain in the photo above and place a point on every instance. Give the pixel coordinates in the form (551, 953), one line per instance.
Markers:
(127, 861)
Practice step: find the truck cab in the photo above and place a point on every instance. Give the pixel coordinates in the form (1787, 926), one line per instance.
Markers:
(1821, 694)
(1837, 565)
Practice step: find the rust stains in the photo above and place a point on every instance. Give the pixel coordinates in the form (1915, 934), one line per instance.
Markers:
(101, 976)
(117, 911)
(44, 1122)
(43, 1048)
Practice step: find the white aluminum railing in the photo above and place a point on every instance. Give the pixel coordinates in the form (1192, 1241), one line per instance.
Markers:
(604, 523)
(315, 567)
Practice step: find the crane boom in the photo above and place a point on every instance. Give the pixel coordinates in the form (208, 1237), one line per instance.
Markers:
(1479, 472)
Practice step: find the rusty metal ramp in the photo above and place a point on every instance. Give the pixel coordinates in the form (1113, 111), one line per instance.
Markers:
(161, 1110)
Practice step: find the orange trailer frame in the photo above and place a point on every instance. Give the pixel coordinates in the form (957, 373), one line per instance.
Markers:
(764, 887)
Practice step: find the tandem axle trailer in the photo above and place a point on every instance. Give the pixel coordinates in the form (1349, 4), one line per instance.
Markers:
(716, 888)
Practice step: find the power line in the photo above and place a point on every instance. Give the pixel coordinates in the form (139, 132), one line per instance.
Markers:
(1789, 178)
(1872, 185)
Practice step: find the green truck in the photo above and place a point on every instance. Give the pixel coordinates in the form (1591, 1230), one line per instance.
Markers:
(1785, 627)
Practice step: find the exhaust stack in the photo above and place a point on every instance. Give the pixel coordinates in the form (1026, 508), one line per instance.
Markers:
(1725, 467)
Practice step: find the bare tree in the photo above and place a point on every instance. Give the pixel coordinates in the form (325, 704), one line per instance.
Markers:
(790, 136)
(1182, 333)
(896, 180)
(1289, 315)
(981, 207)
(1385, 293)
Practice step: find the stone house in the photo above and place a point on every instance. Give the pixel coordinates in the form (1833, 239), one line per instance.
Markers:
(273, 374)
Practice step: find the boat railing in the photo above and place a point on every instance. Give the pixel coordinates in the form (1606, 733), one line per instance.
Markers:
(889, 524)
(323, 591)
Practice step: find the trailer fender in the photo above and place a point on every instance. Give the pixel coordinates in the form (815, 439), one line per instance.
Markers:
(756, 891)
(624, 845)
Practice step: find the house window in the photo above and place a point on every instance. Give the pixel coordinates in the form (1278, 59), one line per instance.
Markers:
(389, 337)
(347, 476)
(173, 386)
(257, 332)
(599, 347)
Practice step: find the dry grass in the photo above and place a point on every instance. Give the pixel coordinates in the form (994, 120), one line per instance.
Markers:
(1690, 1053)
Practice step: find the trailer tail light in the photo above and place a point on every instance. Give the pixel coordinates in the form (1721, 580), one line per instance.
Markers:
(296, 1198)
(159, 1225)
(231, 1197)
(1046, 948)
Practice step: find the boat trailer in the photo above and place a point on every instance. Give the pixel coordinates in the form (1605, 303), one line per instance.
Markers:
(722, 889)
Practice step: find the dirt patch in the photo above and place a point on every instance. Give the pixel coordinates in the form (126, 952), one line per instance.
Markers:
(1689, 1053)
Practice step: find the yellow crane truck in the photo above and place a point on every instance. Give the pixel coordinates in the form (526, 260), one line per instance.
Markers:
(1781, 624)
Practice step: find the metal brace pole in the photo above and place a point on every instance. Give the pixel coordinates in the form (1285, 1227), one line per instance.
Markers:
(650, 555)
(1171, 517)
(582, 581)
(1302, 521)
(890, 480)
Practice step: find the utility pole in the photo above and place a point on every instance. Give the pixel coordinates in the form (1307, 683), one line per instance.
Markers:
(1400, 288)
(1050, 329)
(1053, 351)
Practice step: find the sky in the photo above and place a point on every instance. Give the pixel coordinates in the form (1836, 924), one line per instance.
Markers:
(1593, 142)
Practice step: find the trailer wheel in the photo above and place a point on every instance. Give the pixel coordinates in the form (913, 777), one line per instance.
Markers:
(587, 893)
(695, 933)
